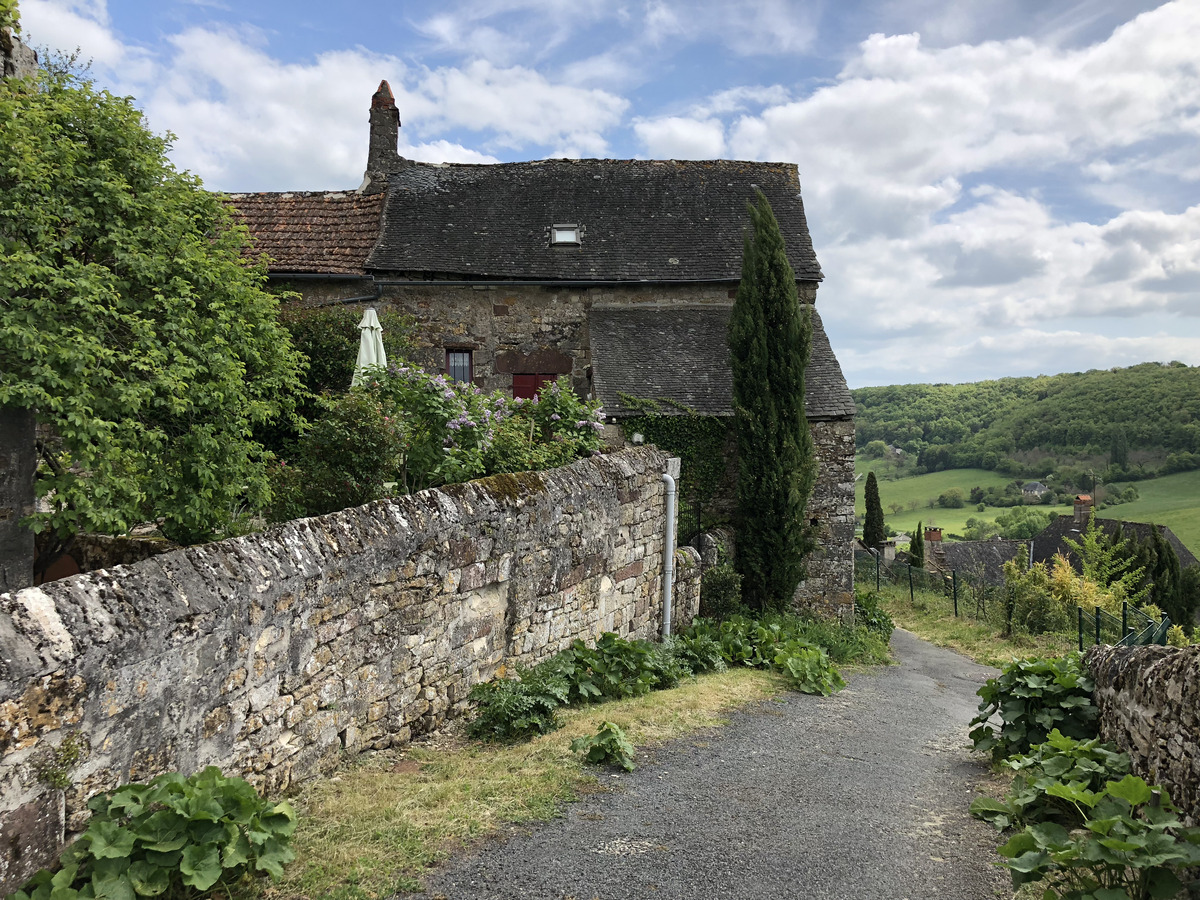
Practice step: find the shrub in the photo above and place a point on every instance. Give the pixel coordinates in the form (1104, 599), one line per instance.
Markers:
(175, 837)
(455, 432)
(808, 668)
(1048, 776)
(607, 746)
(869, 613)
(1130, 846)
(1034, 697)
(345, 459)
(720, 592)
(699, 652)
(511, 709)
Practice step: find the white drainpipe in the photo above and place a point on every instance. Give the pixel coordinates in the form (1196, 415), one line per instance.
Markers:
(669, 553)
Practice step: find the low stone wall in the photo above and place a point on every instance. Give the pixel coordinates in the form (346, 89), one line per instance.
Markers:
(1149, 699)
(275, 654)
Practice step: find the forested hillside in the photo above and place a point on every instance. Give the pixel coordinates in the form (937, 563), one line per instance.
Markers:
(1119, 424)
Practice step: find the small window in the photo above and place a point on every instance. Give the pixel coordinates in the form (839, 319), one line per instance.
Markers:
(565, 234)
(459, 366)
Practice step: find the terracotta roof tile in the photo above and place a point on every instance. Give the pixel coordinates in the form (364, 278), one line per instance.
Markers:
(323, 232)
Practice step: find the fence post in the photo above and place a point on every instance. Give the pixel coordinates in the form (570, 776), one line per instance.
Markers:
(1097, 625)
(878, 557)
(954, 581)
(911, 596)
(1079, 611)
(1124, 619)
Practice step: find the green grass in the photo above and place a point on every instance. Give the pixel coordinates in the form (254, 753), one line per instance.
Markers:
(1173, 500)
(916, 493)
(930, 616)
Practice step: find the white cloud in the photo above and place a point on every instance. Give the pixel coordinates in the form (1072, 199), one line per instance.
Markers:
(520, 105)
(72, 24)
(682, 138)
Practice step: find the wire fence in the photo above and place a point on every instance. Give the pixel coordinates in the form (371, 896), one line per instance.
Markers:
(967, 595)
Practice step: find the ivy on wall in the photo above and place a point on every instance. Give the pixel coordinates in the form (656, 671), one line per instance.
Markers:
(701, 442)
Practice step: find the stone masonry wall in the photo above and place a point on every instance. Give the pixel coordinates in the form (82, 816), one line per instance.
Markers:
(1149, 699)
(528, 329)
(274, 654)
(829, 587)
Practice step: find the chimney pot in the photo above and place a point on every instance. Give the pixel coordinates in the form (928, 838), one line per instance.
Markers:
(382, 156)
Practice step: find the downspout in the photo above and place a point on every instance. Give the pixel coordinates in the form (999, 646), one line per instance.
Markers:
(669, 554)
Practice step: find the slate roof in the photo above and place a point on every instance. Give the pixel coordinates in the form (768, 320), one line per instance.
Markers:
(682, 354)
(981, 559)
(318, 232)
(1050, 540)
(643, 220)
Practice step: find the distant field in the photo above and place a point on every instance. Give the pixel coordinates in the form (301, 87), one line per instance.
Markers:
(921, 490)
(1173, 501)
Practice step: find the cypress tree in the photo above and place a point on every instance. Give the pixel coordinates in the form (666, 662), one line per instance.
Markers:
(770, 336)
(916, 548)
(873, 533)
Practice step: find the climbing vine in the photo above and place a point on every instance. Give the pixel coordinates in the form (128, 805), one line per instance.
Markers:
(700, 441)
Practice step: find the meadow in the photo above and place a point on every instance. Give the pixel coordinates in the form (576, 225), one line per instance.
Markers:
(1173, 500)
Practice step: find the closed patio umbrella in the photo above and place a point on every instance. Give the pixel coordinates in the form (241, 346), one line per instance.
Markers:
(370, 346)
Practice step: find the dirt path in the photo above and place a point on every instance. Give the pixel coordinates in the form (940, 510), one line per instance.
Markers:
(857, 796)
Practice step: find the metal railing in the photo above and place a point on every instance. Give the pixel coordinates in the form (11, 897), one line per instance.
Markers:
(969, 596)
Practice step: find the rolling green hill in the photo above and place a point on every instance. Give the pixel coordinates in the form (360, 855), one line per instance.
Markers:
(1172, 500)
(1130, 421)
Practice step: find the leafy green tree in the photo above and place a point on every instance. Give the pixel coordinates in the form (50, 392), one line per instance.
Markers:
(874, 533)
(131, 321)
(1110, 564)
(875, 450)
(770, 337)
(916, 547)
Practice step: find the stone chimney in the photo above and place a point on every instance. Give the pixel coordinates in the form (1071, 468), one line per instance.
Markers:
(1083, 509)
(16, 60)
(382, 156)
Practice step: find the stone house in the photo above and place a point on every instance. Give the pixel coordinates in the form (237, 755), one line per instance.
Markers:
(620, 274)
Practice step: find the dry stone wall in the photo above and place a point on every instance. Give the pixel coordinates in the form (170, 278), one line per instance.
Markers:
(1149, 699)
(274, 655)
(829, 585)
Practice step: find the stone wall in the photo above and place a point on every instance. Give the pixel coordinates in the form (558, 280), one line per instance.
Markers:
(1149, 699)
(275, 654)
(829, 587)
(526, 329)
(18, 459)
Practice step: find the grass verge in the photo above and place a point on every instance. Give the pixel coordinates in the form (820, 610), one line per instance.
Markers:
(376, 826)
(929, 617)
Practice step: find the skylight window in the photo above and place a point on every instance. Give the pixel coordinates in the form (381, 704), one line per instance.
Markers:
(566, 234)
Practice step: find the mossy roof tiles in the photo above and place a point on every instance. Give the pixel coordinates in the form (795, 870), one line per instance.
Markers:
(643, 220)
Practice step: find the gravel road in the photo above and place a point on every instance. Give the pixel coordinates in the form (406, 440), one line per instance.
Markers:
(856, 796)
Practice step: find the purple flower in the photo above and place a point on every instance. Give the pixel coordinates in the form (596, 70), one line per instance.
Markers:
(555, 417)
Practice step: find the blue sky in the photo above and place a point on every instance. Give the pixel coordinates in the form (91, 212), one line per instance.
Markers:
(1009, 187)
